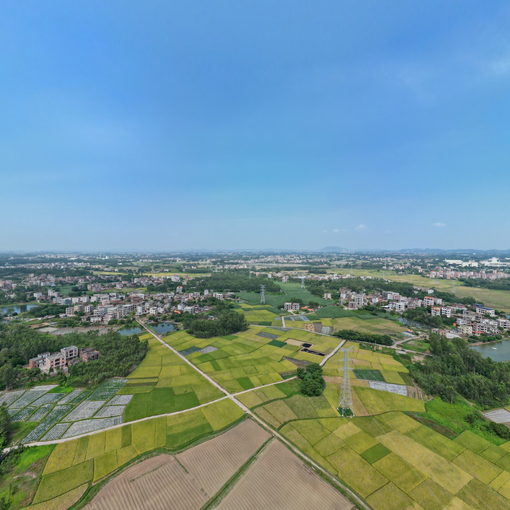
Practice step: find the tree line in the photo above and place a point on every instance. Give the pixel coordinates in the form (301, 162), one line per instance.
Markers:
(502, 284)
(357, 336)
(18, 343)
(455, 369)
(220, 323)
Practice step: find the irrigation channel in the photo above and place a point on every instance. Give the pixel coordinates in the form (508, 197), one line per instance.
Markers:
(232, 396)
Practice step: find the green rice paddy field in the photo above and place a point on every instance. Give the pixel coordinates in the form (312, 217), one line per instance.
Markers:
(387, 453)
(249, 359)
(375, 325)
(163, 383)
(290, 291)
(389, 458)
(257, 314)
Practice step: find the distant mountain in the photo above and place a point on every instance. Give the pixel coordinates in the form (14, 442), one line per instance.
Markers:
(333, 249)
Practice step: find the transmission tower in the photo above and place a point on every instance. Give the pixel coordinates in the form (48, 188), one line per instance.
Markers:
(262, 294)
(302, 282)
(345, 401)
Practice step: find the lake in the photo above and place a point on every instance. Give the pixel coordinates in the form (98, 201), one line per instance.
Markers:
(497, 352)
(15, 309)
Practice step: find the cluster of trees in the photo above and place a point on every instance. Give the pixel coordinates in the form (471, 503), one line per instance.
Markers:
(221, 282)
(312, 383)
(423, 316)
(502, 284)
(224, 322)
(119, 355)
(357, 336)
(234, 282)
(18, 343)
(43, 310)
(455, 369)
(5, 427)
(478, 420)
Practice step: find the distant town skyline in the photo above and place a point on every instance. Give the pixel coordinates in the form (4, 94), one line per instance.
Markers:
(294, 126)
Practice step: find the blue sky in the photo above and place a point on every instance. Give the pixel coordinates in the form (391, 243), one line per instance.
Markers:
(165, 125)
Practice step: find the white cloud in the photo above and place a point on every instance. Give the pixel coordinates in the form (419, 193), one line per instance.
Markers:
(500, 66)
(361, 226)
(336, 230)
(439, 224)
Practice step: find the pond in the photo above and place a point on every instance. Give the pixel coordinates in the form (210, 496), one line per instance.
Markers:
(162, 329)
(498, 352)
(130, 331)
(15, 309)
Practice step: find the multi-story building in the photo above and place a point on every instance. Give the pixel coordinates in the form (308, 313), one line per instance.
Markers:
(53, 362)
(484, 310)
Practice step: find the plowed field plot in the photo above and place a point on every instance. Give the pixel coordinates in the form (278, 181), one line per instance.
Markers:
(8, 397)
(108, 411)
(187, 480)
(108, 389)
(71, 396)
(85, 426)
(55, 432)
(120, 400)
(40, 413)
(27, 398)
(398, 389)
(215, 461)
(23, 414)
(279, 479)
(498, 415)
(84, 410)
(48, 398)
(51, 418)
(39, 404)
(151, 485)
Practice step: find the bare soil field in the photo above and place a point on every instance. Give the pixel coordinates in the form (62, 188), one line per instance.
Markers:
(185, 481)
(214, 462)
(157, 483)
(279, 479)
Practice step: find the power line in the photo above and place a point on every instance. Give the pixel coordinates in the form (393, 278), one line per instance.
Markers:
(345, 401)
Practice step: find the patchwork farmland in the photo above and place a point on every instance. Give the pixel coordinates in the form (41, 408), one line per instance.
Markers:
(251, 358)
(278, 479)
(58, 415)
(164, 383)
(197, 474)
(89, 459)
(385, 454)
